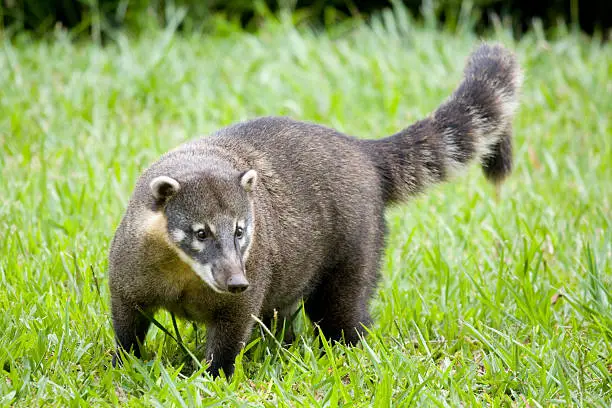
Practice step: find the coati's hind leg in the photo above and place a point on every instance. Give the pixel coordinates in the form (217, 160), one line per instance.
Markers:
(340, 310)
(339, 304)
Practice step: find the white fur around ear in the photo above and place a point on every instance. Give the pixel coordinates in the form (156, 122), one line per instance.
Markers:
(248, 180)
(164, 187)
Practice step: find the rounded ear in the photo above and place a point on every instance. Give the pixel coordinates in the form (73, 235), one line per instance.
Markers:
(248, 180)
(164, 187)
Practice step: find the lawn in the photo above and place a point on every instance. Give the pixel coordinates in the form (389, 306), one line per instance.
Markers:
(487, 297)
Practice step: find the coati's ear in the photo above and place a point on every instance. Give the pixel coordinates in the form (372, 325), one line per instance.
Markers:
(164, 187)
(248, 180)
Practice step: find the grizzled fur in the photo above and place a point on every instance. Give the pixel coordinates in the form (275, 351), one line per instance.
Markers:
(277, 210)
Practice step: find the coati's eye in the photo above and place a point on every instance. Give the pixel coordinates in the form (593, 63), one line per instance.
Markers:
(201, 234)
(239, 232)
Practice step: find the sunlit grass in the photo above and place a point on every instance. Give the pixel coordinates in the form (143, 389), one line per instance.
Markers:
(483, 299)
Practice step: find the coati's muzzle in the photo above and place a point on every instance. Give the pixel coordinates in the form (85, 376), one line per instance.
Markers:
(231, 277)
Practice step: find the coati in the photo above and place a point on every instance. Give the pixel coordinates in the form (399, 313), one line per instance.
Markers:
(262, 214)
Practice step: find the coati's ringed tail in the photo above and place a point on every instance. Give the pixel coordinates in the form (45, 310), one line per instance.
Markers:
(475, 123)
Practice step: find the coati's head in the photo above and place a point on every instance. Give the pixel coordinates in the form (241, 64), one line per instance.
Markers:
(210, 223)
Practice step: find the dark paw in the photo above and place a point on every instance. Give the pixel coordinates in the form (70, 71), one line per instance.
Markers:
(215, 370)
(349, 336)
(117, 361)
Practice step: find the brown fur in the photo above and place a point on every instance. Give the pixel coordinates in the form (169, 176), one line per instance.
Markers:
(314, 214)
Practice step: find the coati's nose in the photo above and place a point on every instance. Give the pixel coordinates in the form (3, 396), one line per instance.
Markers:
(237, 283)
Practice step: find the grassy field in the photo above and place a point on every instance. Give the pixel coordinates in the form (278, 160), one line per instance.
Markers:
(485, 298)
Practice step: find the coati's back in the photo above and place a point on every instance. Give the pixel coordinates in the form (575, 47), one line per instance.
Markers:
(255, 217)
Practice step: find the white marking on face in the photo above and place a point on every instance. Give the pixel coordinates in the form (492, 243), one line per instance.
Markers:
(204, 271)
(246, 249)
(241, 224)
(178, 235)
(155, 225)
(197, 245)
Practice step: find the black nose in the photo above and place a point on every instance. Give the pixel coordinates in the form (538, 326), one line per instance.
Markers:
(237, 284)
(238, 288)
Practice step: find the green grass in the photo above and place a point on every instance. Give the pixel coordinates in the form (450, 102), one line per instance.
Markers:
(503, 301)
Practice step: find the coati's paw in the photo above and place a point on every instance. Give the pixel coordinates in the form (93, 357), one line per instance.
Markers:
(117, 360)
(349, 335)
(215, 370)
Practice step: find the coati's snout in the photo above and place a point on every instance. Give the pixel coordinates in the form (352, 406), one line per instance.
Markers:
(233, 277)
(210, 225)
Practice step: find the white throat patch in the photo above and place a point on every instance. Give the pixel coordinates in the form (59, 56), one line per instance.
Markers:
(204, 271)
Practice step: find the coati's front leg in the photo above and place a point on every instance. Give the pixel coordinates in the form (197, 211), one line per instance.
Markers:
(130, 326)
(225, 338)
